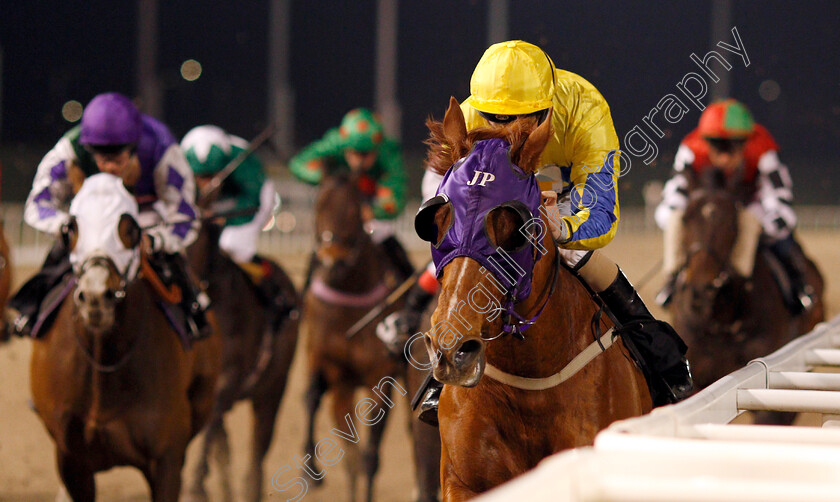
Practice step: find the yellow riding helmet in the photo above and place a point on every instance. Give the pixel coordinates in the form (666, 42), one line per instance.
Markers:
(512, 78)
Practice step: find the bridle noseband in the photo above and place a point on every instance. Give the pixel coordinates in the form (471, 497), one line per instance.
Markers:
(119, 296)
(515, 324)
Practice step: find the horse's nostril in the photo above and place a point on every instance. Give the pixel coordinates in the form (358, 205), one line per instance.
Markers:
(467, 351)
(428, 341)
(470, 346)
(82, 296)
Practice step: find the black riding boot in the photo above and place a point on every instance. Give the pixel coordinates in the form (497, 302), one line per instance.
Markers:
(194, 301)
(795, 263)
(24, 306)
(397, 256)
(271, 293)
(425, 402)
(659, 350)
(407, 322)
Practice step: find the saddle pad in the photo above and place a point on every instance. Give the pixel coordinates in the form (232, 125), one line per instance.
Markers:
(50, 305)
(55, 298)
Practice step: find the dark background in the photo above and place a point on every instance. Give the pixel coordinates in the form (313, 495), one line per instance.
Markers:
(633, 52)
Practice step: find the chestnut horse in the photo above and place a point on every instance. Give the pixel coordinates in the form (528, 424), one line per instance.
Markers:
(349, 280)
(110, 379)
(493, 431)
(725, 318)
(255, 361)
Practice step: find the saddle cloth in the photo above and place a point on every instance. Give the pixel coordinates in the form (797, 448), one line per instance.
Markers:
(174, 314)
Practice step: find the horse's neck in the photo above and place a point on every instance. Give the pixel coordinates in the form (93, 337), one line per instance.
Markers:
(560, 332)
(204, 250)
(97, 353)
(363, 275)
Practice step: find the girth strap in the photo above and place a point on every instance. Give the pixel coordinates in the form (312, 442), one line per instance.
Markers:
(585, 357)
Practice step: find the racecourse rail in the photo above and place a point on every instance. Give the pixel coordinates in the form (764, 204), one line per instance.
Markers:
(690, 452)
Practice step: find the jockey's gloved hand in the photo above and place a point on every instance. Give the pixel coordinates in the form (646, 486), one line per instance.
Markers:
(153, 241)
(554, 210)
(394, 330)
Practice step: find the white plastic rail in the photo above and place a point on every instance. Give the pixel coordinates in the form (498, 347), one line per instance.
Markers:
(690, 452)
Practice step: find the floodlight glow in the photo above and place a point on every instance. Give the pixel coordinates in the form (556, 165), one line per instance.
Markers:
(72, 111)
(190, 70)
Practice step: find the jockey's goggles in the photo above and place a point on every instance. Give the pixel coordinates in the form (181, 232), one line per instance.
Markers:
(111, 149)
(541, 115)
(726, 145)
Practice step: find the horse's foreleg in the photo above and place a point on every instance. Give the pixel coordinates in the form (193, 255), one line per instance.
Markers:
(265, 409)
(453, 488)
(317, 387)
(342, 412)
(426, 439)
(221, 457)
(164, 476)
(228, 389)
(371, 455)
(774, 417)
(195, 492)
(426, 443)
(77, 479)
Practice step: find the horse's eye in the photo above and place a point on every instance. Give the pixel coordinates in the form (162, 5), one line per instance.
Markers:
(129, 231)
(433, 220)
(502, 225)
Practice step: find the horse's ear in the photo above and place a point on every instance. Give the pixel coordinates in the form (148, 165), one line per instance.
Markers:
(129, 231)
(454, 125)
(534, 145)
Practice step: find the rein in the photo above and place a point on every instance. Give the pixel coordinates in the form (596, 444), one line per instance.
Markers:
(520, 324)
(172, 294)
(601, 344)
(586, 356)
(104, 368)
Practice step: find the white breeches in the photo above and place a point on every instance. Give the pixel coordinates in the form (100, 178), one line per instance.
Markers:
(240, 241)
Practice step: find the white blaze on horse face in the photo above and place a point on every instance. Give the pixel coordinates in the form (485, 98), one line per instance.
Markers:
(708, 210)
(97, 209)
(95, 305)
(454, 326)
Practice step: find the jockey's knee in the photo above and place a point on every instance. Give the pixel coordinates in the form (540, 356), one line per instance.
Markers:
(593, 267)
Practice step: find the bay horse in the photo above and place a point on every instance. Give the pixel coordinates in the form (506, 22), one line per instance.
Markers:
(728, 319)
(257, 354)
(493, 429)
(5, 277)
(110, 379)
(347, 282)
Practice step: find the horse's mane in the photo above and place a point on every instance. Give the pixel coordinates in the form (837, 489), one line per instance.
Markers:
(441, 154)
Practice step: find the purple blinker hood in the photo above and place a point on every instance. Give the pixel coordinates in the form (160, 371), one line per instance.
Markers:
(482, 181)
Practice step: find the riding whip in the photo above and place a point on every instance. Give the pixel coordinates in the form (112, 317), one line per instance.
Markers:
(248, 211)
(390, 300)
(218, 178)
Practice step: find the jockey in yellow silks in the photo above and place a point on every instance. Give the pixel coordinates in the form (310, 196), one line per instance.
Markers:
(580, 171)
